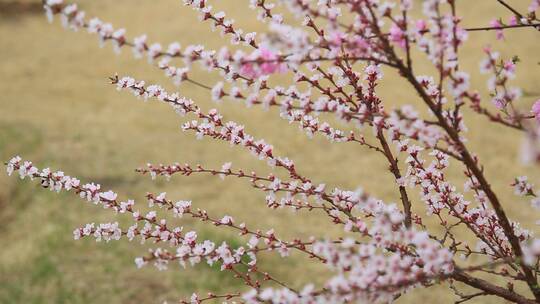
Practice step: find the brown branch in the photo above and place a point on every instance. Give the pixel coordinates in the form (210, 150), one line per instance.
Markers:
(490, 288)
(397, 174)
(503, 27)
(513, 10)
(470, 162)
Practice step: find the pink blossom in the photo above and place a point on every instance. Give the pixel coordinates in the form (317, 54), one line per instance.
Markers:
(496, 23)
(248, 70)
(421, 26)
(262, 62)
(536, 110)
(398, 36)
(268, 67)
(498, 102)
(509, 68)
(513, 20)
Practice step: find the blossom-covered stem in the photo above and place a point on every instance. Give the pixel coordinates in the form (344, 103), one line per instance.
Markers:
(167, 256)
(397, 174)
(58, 181)
(244, 277)
(232, 131)
(270, 237)
(210, 297)
(407, 42)
(440, 67)
(306, 189)
(504, 96)
(514, 122)
(226, 26)
(468, 160)
(463, 276)
(463, 216)
(310, 11)
(455, 40)
(285, 59)
(472, 163)
(449, 153)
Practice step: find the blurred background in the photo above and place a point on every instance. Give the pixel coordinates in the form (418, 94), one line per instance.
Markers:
(58, 110)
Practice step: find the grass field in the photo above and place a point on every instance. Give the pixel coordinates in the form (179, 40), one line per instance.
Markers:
(57, 109)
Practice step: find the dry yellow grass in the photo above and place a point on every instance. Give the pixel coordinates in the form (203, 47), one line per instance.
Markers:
(57, 109)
